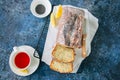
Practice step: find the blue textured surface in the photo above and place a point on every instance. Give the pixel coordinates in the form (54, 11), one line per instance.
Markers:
(18, 27)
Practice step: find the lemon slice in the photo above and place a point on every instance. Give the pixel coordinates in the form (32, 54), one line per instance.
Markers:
(52, 20)
(59, 12)
(24, 71)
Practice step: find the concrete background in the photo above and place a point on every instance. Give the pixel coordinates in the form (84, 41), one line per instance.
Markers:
(19, 27)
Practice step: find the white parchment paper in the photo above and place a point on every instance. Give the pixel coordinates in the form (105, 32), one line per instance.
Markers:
(91, 28)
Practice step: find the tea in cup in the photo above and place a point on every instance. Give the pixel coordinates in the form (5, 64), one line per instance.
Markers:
(21, 59)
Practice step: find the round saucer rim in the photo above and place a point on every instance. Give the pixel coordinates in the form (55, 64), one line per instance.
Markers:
(15, 70)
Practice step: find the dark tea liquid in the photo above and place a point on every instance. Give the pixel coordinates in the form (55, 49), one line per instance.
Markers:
(40, 9)
(22, 60)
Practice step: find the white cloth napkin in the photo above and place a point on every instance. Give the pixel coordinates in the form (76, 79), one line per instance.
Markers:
(91, 28)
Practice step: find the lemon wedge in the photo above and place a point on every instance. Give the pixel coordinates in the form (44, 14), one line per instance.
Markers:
(55, 16)
(24, 71)
(59, 12)
(52, 20)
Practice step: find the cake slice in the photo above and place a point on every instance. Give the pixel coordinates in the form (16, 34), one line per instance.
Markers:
(63, 53)
(61, 66)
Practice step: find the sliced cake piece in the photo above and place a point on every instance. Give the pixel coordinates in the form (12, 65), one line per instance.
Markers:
(61, 66)
(63, 53)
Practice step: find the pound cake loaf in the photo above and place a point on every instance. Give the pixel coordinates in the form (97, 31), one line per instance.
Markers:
(69, 37)
(63, 53)
(70, 27)
(61, 66)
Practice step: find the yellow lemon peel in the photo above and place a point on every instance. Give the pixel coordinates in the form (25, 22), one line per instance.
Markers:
(52, 20)
(59, 12)
(24, 71)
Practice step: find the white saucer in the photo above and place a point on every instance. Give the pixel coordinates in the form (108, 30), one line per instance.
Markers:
(34, 63)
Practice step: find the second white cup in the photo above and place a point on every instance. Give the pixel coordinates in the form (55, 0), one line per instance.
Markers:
(40, 8)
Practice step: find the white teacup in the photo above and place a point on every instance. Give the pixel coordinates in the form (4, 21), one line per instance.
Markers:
(21, 59)
(40, 8)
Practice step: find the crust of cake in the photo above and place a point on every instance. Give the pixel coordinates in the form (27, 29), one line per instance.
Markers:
(62, 55)
(61, 66)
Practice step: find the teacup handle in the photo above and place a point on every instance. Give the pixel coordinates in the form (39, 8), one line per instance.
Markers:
(15, 49)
